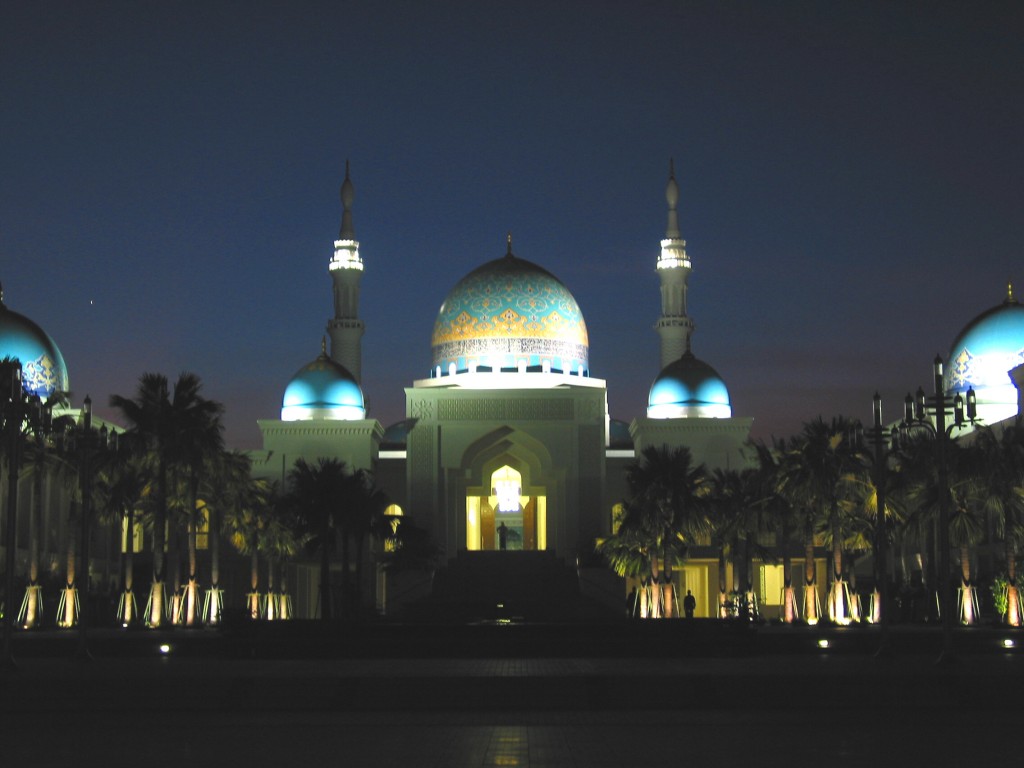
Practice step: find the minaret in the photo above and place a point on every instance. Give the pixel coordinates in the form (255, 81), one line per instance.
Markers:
(674, 327)
(346, 329)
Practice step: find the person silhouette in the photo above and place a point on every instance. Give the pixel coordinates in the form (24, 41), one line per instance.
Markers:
(689, 604)
(502, 536)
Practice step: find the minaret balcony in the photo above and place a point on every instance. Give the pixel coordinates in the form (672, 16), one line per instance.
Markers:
(673, 255)
(346, 255)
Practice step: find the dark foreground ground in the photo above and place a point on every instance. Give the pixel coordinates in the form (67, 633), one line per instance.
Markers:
(618, 694)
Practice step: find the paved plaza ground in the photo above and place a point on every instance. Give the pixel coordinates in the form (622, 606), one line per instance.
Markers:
(772, 697)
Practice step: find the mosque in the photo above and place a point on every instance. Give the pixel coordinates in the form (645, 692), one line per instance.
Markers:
(507, 454)
(508, 443)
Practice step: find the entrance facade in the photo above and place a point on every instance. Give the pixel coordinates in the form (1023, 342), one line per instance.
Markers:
(509, 517)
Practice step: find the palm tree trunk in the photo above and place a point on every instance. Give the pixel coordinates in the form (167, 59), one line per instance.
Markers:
(838, 610)
(282, 610)
(1013, 617)
(213, 534)
(32, 606)
(192, 595)
(967, 615)
(271, 597)
(788, 598)
(156, 611)
(325, 581)
(70, 590)
(127, 597)
(723, 593)
(810, 580)
(254, 583)
(345, 575)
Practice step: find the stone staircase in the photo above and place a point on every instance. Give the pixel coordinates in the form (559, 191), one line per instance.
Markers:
(504, 586)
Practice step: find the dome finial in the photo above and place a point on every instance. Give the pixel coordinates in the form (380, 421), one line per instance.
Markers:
(347, 196)
(508, 238)
(1009, 293)
(672, 198)
(1, 294)
(323, 346)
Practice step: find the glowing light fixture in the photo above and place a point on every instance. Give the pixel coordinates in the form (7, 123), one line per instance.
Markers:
(673, 254)
(823, 643)
(164, 648)
(346, 255)
(1009, 642)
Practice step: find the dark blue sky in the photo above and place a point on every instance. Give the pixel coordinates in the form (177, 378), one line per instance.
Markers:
(851, 173)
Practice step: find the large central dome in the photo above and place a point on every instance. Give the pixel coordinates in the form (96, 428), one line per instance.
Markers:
(43, 371)
(509, 315)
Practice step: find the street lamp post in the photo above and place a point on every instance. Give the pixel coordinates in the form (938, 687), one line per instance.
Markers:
(13, 415)
(881, 441)
(917, 410)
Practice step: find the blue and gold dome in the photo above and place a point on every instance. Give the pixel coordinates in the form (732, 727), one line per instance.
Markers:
(689, 388)
(43, 371)
(510, 315)
(983, 354)
(323, 390)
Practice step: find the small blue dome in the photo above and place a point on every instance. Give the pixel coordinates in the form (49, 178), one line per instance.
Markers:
(43, 371)
(323, 390)
(689, 388)
(983, 354)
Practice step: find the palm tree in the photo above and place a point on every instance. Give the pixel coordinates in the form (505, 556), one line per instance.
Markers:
(246, 524)
(782, 515)
(40, 461)
(665, 513)
(278, 542)
(126, 488)
(164, 425)
(962, 495)
(820, 475)
(362, 507)
(1001, 493)
(230, 495)
(202, 444)
(741, 522)
(316, 494)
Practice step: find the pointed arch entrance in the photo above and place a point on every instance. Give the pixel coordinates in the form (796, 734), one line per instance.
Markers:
(506, 496)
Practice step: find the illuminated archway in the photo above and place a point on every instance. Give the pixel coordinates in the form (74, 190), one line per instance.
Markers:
(496, 460)
(507, 518)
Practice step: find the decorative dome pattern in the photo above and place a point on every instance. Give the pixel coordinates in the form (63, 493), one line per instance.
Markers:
(323, 390)
(689, 388)
(43, 370)
(510, 315)
(983, 354)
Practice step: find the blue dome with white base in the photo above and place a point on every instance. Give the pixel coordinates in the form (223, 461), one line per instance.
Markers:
(43, 370)
(983, 354)
(323, 390)
(689, 388)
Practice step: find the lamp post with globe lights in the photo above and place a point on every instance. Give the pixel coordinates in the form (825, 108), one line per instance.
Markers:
(929, 413)
(12, 403)
(882, 442)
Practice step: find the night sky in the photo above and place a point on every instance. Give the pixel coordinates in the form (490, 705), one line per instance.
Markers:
(851, 184)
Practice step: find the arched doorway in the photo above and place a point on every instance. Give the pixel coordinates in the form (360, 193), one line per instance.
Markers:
(503, 514)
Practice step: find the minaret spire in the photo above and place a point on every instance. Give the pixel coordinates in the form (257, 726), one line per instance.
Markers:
(674, 326)
(347, 195)
(672, 198)
(345, 328)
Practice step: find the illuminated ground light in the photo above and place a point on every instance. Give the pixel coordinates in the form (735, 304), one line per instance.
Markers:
(1009, 642)
(164, 649)
(823, 643)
